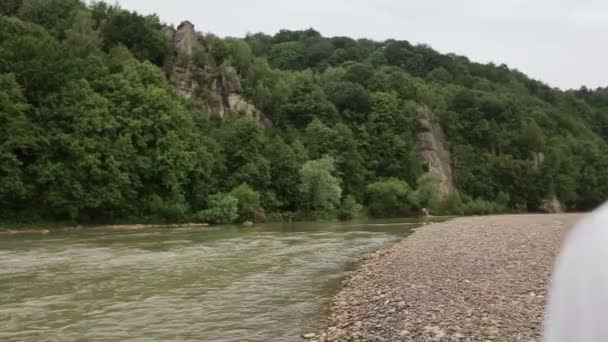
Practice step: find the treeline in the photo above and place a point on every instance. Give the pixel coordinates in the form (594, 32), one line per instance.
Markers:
(92, 131)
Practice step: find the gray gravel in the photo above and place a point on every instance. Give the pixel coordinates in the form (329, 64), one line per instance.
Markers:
(469, 279)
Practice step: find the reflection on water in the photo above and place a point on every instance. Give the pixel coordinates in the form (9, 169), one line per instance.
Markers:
(266, 283)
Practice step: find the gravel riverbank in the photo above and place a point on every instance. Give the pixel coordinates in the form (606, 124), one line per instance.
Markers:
(469, 279)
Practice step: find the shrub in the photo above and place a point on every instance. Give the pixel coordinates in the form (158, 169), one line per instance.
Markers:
(482, 207)
(428, 193)
(349, 208)
(320, 189)
(248, 202)
(223, 208)
(451, 205)
(389, 198)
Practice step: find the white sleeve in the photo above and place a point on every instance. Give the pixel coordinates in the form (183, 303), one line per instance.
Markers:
(578, 300)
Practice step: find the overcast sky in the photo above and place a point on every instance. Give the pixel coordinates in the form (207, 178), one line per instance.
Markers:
(561, 42)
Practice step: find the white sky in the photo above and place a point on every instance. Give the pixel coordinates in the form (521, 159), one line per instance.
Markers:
(561, 42)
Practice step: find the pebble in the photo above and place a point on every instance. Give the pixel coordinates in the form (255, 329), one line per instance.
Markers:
(462, 280)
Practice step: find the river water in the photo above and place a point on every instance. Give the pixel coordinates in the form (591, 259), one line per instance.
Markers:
(267, 283)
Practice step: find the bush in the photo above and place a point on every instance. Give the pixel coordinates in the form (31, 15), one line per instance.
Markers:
(482, 207)
(349, 209)
(454, 204)
(286, 216)
(248, 202)
(223, 208)
(389, 198)
(451, 205)
(428, 193)
(320, 189)
(167, 210)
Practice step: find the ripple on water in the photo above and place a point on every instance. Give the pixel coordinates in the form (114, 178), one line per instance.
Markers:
(263, 284)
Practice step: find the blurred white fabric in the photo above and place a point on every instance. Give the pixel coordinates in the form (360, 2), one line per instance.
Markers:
(578, 299)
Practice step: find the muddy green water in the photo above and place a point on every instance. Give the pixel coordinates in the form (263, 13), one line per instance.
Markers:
(266, 283)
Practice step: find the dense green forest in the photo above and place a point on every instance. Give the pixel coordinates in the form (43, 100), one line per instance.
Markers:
(91, 129)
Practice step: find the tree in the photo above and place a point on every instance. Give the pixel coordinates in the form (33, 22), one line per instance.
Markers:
(54, 15)
(348, 96)
(439, 74)
(359, 73)
(10, 7)
(288, 56)
(377, 58)
(35, 58)
(16, 142)
(241, 55)
(427, 194)
(319, 139)
(318, 54)
(260, 43)
(248, 202)
(349, 209)
(308, 102)
(81, 38)
(92, 130)
(242, 140)
(141, 34)
(319, 188)
(285, 163)
(222, 209)
(532, 138)
(389, 198)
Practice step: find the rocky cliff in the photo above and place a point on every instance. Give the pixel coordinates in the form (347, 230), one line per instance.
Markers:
(553, 203)
(431, 150)
(195, 74)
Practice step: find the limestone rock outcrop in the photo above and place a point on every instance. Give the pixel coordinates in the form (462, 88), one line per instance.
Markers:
(195, 75)
(432, 152)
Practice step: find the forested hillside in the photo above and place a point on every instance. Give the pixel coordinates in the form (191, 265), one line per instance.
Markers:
(107, 116)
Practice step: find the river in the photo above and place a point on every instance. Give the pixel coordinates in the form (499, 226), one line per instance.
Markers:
(266, 283)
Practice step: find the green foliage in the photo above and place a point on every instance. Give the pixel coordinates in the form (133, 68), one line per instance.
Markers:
(285, 163)
(141, 34)
(389, 198)
(248, 202)
(10, 7)
(241, 55)
(288, 55)
(482, 207)
(349, 208)
(16, 139)
(91, 129)
(427, 194)
(54, 15)
(450, 205)
(348, 96)
(320, 189)
(218, 48)
(222, 209)
(307, 103)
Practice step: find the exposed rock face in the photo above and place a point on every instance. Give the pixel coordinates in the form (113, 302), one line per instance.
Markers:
(432, 151)
(538, 158)
(553, 205)
(185, 39)
(195, 75)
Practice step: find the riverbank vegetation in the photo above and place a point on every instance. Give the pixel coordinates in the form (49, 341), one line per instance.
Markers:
(92, 131)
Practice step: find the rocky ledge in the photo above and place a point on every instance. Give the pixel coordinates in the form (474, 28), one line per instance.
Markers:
(469, 279)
